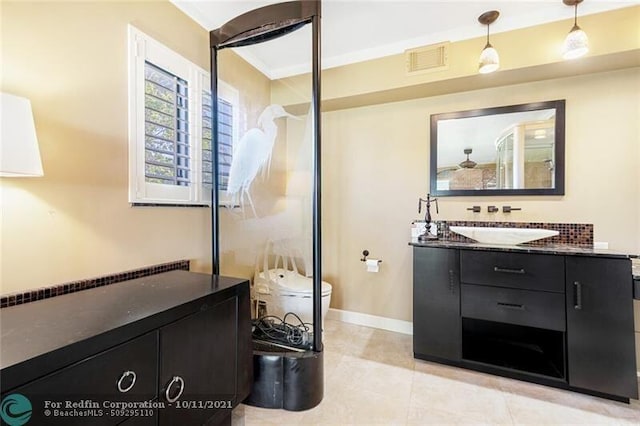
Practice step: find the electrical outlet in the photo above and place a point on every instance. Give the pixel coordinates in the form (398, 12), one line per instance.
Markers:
(600, 245)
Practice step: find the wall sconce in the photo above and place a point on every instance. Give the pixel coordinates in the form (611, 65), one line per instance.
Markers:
(576, 44)
(19, 153)
(489, 59)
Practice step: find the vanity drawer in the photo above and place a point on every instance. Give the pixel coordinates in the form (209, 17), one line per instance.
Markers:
(522, 307)
(514, 270)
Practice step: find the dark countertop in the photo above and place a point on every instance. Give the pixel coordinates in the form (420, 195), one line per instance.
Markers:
(49, 334)
(560, 249)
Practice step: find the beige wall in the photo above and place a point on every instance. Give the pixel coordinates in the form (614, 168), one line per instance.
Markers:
(376, 165)
(70, 60)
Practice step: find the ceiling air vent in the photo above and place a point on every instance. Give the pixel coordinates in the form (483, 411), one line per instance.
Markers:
(427, 58)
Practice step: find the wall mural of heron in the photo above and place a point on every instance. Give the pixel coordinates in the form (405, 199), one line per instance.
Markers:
(252, 154)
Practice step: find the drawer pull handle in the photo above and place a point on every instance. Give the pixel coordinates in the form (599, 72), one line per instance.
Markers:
(508, 270)
(511, 306)
(124, 376)
(180, 382)
(577, 295)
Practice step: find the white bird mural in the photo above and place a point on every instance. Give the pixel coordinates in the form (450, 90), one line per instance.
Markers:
(253, 154)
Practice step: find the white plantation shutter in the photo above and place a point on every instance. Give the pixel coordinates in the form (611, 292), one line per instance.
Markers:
(166, 123)
(170, 130)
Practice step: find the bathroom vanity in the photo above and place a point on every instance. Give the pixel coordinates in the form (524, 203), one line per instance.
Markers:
(559, 316)
(178, 342)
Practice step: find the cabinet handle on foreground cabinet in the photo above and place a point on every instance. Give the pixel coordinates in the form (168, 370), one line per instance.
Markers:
(577, 295)
(180, 382)
(451, 280)
(121, 381)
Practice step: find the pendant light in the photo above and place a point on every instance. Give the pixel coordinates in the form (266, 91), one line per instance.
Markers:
(576, 44)
(489, 59)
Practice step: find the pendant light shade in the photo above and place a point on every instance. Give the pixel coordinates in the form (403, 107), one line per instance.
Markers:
(576, 44)
(489, 58)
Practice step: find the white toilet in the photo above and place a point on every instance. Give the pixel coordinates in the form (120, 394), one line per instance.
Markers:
(289, 291)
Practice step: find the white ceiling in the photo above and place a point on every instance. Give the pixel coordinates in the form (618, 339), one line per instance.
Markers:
(358, 30)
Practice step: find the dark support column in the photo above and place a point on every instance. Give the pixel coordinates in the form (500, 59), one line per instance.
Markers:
(215, 212)
(317, 205)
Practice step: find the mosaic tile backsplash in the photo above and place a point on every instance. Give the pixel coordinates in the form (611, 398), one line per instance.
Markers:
(72, 287)
(575, 234)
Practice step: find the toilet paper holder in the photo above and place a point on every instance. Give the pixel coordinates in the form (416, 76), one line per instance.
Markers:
(365, 253)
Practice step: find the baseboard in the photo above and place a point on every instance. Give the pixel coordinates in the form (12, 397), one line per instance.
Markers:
(374, 321)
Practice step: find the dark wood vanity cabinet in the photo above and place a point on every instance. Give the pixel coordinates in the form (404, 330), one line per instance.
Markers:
(555, 319)
(600, 332)
(436, 303)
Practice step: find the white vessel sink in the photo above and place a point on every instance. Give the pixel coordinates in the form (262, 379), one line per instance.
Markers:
(508, 236)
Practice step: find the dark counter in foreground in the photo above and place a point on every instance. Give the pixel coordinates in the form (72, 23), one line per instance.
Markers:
(175, 324)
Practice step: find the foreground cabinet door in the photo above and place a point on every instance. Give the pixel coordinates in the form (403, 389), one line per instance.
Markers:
(600, 334)
(87, 393)
(436, 303)
(198, 366)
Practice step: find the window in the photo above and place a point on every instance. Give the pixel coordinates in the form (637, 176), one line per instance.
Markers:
(170, 126)
(227, 133)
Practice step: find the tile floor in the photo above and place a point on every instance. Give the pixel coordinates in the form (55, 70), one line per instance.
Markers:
(372, 378)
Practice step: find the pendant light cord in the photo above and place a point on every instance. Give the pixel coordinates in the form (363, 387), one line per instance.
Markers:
(488, 34)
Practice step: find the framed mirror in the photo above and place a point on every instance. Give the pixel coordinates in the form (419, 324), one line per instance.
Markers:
(510, 150)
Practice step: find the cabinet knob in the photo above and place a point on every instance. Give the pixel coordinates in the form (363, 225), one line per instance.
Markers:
(131, 375)
(175, 380)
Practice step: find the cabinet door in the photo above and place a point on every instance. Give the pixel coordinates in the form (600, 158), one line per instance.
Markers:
(436, 303)
(600, 334)
(76, 395)
(198, 365)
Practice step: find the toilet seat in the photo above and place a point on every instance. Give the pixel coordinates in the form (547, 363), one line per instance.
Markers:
(303, 294)
(290, 283)
(286, 291)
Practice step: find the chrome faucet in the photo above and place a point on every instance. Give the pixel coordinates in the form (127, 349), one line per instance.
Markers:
(427, 235)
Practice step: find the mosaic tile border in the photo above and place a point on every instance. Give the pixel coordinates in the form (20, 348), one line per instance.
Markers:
(72, 287)
(575, 234)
